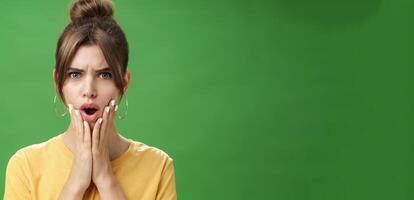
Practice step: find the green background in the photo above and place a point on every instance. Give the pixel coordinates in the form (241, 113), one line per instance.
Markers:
(254, 99)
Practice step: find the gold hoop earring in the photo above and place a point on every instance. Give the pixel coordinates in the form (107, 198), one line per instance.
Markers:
(56, 109)
(123, 116)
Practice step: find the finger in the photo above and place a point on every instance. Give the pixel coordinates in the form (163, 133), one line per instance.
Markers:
(95, 135)
(116, 106)
(102, 134)
(87, 134)
(72, 116)
(70, 108)
(79, 125)
(112, 113)
(115, 110)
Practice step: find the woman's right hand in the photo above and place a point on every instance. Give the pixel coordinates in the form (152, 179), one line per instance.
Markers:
(81, 172)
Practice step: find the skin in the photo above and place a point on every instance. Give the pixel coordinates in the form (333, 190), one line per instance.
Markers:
(93, 144)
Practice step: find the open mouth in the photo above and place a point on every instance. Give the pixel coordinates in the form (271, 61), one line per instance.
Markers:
(90, 111)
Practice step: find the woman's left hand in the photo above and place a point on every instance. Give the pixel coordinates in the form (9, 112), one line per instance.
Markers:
(102, 174)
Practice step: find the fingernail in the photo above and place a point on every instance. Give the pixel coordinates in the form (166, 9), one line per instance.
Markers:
(100, 120)
(113, 102)
(77, 112)
(85, 124)
(107, 109)
(70, 108)
(116, 107)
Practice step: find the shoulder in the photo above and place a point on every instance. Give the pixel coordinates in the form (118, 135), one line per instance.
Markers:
(145, 152)
(33, 151)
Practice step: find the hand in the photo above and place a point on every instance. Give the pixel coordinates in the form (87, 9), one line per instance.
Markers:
(102, 173)
(92, 161)
(81, 172)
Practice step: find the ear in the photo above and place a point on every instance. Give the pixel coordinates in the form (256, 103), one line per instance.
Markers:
(127, 79)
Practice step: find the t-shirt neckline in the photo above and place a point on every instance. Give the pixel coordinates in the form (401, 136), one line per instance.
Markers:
(68, 153)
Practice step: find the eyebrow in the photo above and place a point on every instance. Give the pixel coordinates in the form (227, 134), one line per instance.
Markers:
(81, 70)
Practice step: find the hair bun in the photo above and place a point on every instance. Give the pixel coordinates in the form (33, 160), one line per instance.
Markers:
(83, 9)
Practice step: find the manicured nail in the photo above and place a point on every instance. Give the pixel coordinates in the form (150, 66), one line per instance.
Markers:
(85, 124)
(116, 107)
(70, 108)
(113, 102)
(107, 109)
(100, 120)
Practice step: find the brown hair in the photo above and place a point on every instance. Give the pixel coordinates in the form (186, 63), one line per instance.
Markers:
(92, 23)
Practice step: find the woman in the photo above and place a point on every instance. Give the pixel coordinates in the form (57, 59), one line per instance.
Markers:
(91, 160)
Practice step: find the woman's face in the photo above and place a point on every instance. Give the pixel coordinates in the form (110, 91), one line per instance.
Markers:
(90, 84)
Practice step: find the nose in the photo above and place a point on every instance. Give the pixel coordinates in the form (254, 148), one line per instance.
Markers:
(89, 90)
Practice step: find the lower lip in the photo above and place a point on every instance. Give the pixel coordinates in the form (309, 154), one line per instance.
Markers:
(89, 118)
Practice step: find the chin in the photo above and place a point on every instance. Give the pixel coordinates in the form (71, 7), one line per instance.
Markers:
(92, 125)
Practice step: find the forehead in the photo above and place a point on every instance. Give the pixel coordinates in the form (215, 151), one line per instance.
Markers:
(89, 56)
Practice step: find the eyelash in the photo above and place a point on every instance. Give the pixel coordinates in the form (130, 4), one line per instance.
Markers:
(108, 74)
(72, 73)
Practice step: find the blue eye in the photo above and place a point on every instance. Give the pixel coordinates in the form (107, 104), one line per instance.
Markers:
(105, 75)
(74, 75)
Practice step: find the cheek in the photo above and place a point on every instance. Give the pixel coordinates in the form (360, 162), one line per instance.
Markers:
(66, 94)
(69, 93)
(108, 92)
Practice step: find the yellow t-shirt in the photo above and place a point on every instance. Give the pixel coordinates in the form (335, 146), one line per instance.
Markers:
(40, 171)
